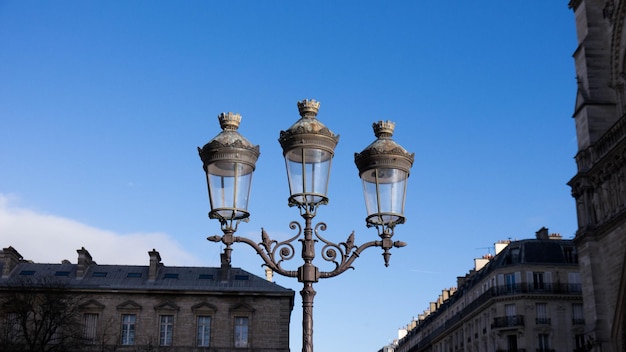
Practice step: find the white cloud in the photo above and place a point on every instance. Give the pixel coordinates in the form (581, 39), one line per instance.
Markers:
(47, 238)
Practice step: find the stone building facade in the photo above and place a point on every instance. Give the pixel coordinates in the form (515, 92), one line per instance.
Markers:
(599, 186)
(527, 297)
(142, 308)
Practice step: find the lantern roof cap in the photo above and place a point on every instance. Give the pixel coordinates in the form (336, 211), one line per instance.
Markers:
(230, 137)
(384, 151)
(229, 143)
(308, 131)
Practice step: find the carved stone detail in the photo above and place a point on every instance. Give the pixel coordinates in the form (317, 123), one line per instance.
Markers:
(600, 185)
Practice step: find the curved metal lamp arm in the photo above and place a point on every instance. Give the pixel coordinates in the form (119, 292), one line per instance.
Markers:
(348, 256)
(268, 254)
(272, 252)
(342, 254)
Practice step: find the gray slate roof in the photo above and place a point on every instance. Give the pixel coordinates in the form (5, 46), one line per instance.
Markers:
(130, 277)
(529, 252)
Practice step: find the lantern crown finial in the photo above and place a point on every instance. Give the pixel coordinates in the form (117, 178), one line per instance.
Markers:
(229, 120)
(308, 108)
(383, 129)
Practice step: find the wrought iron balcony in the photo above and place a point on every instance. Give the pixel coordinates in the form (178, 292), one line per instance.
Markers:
(507, 322)
(513, 289)
(543, 321)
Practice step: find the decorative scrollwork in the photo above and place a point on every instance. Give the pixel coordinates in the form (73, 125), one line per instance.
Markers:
(296, 225)
(333, 252)
(279, 252)
(274, 253)
(286, 252)
(285, 249)
(330, 254)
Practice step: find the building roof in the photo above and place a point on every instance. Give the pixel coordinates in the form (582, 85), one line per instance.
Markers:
(530, 252)
(137, 278)
(540, 252)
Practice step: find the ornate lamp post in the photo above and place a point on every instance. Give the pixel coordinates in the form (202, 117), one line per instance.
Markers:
(308, 147)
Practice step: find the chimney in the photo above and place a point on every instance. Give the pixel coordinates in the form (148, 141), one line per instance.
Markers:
(402, 333)
(84, 261)
(542, 234)
(269, 274)
(155, 263)
(10, 258)
(225, 268)
(500, 245)
(445, 294)
(555, 236)
(480, 263)
(460, 281)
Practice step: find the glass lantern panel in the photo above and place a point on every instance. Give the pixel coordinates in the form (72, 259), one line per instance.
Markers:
(308, 171)
(229, 188)
(384, 191)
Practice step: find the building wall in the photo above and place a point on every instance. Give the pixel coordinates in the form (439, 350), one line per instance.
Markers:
(599, 186)
(269, 319)
(477, 315)
(224, 295)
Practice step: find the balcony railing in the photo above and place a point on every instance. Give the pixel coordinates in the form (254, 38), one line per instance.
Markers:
(507, 321)
(532, 288)
(543, 321)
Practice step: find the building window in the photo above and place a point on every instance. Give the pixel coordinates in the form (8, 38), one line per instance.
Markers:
(577, 314)
(90, 324)
(573, 280)
(513, 256)
(511, 342)
(579, 340)
(128, 329)
(538, 282)
(241, 331)
(570, 255)
(166, 330)
(542, 313)
(509, 280)
(204, 331)
(543, 343)
(510, 313)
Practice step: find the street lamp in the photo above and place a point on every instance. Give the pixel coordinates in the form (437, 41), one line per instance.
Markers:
(308, 147)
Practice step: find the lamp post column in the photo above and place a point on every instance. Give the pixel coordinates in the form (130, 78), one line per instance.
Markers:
(308, 274)
(308, 294)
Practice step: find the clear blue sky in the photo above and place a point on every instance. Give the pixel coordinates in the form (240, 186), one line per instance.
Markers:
(103, 103)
